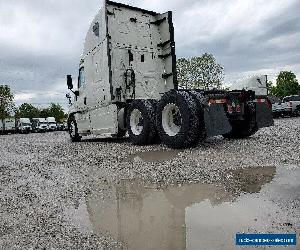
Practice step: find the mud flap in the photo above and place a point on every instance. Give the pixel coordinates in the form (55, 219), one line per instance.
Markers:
(216, 121)
(264, 116)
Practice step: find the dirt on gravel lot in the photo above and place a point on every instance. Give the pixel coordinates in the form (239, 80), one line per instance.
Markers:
(107, 193)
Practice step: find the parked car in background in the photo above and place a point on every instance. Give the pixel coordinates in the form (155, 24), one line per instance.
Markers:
(39, 125)
(276, 106)
(52, 126)
(62, 126)
(59, 126)
(286, 107)
(291, 105)
(65, 126)
(24, 125)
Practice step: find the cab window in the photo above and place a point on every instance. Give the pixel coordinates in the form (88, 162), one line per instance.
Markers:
(81, 78)
(286, 99)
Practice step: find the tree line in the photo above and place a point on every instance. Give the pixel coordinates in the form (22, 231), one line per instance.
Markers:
(26, 110)
(286, 85)
(200, 72)
(205, 72)
(30, 111)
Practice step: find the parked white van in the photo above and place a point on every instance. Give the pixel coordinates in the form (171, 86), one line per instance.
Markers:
(39, 125)
(24, 125)
(52, 125)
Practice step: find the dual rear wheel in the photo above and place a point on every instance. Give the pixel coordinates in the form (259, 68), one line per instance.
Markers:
(175, 120)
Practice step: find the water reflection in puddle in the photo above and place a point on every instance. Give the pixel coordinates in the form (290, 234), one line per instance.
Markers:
(195, 216)
(153, 156)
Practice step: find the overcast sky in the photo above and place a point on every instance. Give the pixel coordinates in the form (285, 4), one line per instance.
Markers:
(41, 41)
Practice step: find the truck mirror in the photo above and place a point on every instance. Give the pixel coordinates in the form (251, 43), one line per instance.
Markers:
(69, 82)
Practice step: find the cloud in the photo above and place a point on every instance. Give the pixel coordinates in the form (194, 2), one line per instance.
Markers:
(41, 41)
(55, 93)
(21, 97)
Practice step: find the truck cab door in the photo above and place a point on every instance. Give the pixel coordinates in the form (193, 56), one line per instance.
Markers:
(82, 117)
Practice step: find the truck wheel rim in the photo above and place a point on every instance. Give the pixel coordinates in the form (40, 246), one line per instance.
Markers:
(136, 119)
(171, 119)
(72, 129)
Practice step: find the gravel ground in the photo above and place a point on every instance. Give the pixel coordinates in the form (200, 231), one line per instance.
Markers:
(42, 175)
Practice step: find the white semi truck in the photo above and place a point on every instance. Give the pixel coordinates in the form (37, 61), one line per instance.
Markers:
(127, 83)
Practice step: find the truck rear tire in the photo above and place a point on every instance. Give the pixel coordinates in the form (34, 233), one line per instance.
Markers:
(73, 130)
(200, 101)
(177, 119)
(245, 128)
(141, 119)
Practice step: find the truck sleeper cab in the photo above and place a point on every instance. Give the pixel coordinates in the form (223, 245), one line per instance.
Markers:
(127, 83)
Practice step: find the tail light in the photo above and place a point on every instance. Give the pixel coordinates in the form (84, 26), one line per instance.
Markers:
(229, 108)
(269, 104)
(238, 108)
(291, 104)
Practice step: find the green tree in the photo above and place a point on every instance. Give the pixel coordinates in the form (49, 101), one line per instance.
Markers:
(183, 69)
(286, 84)
(6, 101)
(45, 112)
(200, 72)
(27, 111)
(271, 88)
(57, 111)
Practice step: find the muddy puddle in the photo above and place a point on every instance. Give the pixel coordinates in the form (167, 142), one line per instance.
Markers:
(153, 156)
(194, 216)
